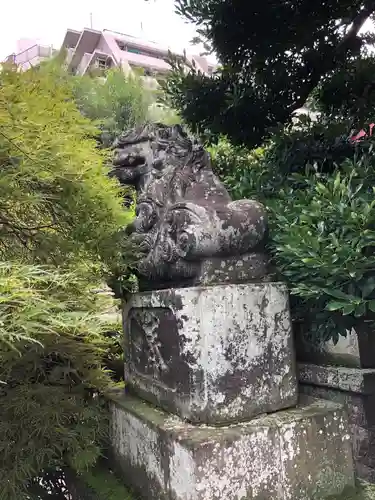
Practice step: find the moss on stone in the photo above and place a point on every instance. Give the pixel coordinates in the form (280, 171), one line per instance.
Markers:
(364, 491)
(105, 485)
(108, 487)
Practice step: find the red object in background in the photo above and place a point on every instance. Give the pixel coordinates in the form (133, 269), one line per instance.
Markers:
(362, 133)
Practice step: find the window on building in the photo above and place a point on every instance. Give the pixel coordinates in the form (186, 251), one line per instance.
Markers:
(133, 49)
(121, 45)
(101, 63)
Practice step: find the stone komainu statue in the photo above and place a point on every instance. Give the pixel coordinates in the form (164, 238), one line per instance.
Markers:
(187, 227)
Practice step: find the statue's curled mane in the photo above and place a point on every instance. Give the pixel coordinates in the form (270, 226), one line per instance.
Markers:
(185, 221)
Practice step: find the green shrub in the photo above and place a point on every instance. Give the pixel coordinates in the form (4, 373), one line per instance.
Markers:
(57, 202)
(239, 169)
(323, 237)
(51, 349)
(61, 221)
(318, 188)
(117, 102)
(159, 113)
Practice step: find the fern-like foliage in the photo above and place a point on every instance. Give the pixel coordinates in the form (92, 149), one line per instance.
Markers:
(51, 348)
(61, 221)
(57, 202)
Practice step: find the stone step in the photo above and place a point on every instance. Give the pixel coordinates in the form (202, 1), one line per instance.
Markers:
(356, 380)
(302, 453)
(355, 389)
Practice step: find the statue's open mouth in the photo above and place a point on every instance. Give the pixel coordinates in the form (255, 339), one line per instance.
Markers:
(126, 159)
(128, 167)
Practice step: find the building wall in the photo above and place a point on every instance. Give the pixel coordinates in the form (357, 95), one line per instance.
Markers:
(126, 52)
(31, 55)
(83, 64)
(103, 46)
(25, 43)
(129, 52)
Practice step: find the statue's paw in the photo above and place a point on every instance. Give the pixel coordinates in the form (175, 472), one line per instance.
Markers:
(143, 242)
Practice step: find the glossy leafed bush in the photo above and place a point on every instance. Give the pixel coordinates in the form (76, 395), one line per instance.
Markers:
(318, 188)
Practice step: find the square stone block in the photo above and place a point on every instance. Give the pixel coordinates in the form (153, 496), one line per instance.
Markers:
(298, 454)
(213, 354)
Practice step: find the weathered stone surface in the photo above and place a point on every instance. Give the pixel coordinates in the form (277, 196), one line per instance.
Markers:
(355, 389)
(362, 434)
(187, 226)
(338, 377)
(356, 350)
(299, 454)
(212, 354)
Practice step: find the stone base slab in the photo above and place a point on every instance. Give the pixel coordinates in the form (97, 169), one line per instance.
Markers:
(214, 355)
(298, 454)
(355, 389)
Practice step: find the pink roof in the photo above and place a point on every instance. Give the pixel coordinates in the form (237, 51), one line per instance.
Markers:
(107, 41)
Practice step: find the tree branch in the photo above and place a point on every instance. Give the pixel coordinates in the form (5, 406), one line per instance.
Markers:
(357, 23)
(321, 69)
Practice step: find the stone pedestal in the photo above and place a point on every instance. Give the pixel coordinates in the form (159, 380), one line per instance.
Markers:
(298, 454)
(202, 348)
(204, 366)
(355, 389)
(215, 354)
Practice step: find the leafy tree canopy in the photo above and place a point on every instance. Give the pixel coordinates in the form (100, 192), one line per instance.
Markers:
(57, 201)
(117, 102)
(61, 218)
(273, 55)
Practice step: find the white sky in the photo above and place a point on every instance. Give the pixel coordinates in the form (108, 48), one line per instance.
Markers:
(47, 20)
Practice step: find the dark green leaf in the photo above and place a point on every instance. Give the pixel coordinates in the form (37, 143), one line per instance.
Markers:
(338, 294)
(348, 309)
(360, 310)
(368, 287)
(335, 305)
